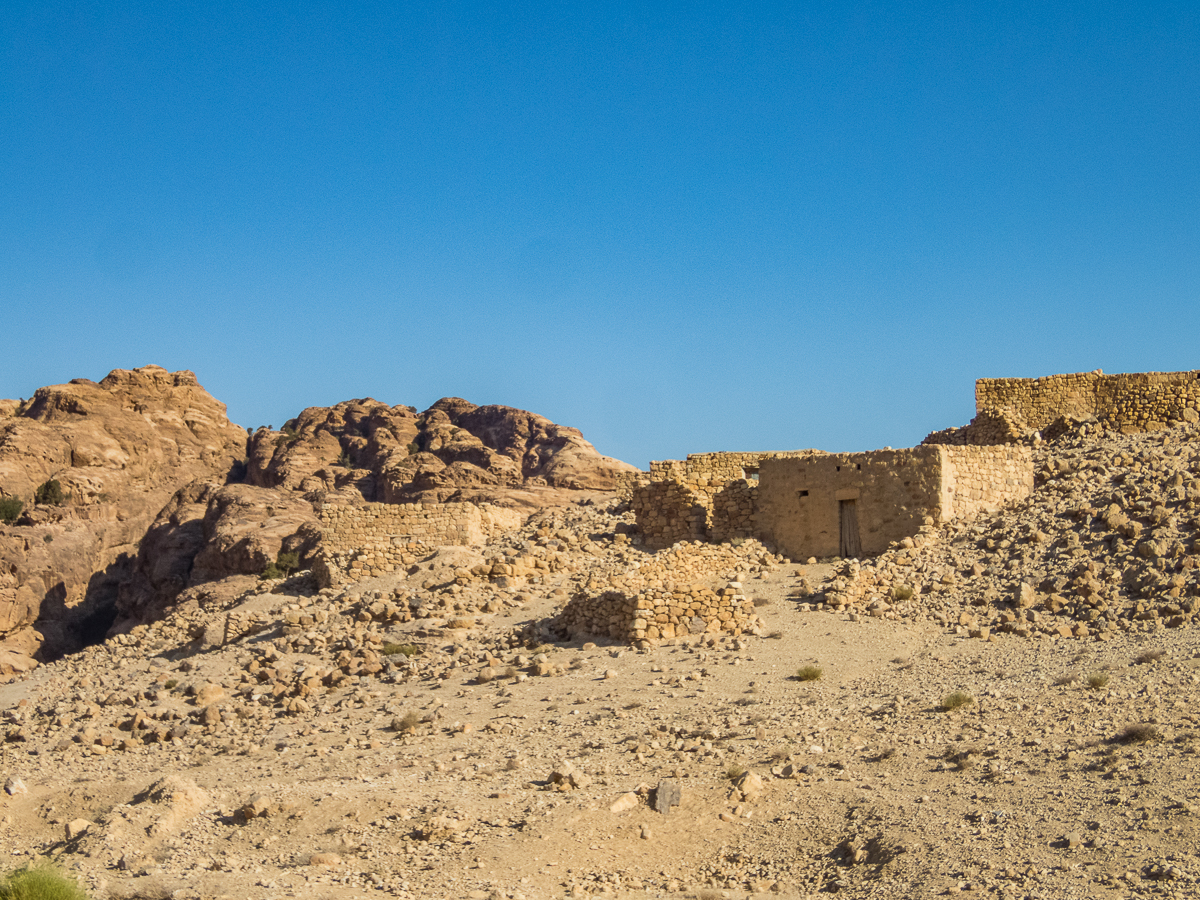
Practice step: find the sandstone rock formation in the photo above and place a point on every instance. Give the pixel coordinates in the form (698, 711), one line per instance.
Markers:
(119, 449)
(155, 500)
(453, 450)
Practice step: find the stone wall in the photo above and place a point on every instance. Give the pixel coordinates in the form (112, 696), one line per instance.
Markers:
(734, 511)
(624, 483)
(668, 512)
(658, 614)
(978, 479)
(371, 539)
(804, 503)
(1133, 402)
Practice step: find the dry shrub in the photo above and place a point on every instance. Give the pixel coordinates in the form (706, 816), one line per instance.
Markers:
(956, 700)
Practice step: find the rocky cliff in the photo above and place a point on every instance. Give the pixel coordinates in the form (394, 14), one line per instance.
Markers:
(118, 450)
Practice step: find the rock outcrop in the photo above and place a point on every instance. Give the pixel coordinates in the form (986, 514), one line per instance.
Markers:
(453, 450)
(138, 492)
(209, 532)
(118, 450)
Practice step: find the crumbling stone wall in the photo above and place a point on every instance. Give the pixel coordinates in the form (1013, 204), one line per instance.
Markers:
(691, 510)
(733, 511)
(372, 539)
(890, 494)
(624, 483)
(668, 512)
(658, 614)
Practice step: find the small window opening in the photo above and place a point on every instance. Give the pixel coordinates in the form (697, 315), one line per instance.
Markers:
(750, 473)
(801, 493)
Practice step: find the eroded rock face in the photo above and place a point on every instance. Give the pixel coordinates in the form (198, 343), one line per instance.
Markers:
(119, 449)
(209, 532)
(453, 449)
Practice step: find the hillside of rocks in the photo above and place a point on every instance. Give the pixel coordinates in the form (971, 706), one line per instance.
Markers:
(1108, 543)
(118, 449)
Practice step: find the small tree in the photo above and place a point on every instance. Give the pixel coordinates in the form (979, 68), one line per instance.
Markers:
(10, 509)
(284, 565)
(50, 493)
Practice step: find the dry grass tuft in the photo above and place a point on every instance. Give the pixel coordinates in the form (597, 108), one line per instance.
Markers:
(956, 700)
(1138, 734)
(809, 673)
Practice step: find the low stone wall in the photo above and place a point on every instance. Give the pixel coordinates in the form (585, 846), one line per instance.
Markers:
(372, 539)
(654, 615)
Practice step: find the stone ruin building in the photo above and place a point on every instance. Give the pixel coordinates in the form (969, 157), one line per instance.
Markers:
(809, 503)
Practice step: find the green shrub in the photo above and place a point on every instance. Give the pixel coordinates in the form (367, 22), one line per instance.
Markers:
(10, 509)
(40, 881)
(1097, 680)
(809, 673)
(289, 436)
(393, 649)
(50, 493)
(956, 700)
(344, 460)
(284, 565)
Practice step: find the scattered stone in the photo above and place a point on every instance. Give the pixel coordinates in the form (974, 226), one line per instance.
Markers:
(666, 795)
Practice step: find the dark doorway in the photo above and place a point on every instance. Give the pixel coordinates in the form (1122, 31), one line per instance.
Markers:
(850, 546)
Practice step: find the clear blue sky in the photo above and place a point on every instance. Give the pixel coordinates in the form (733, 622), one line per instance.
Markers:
(678, 227)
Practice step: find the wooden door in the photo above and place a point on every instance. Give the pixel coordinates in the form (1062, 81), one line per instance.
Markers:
(850, 546)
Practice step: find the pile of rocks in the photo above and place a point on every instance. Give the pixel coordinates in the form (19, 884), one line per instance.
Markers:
(1107, 543)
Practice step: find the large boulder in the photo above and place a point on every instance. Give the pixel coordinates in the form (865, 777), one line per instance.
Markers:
(209, 532)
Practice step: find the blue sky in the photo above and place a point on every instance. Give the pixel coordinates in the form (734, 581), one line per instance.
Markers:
(677, 227)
